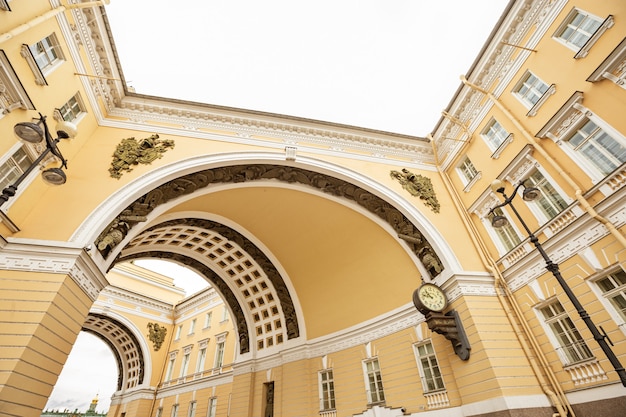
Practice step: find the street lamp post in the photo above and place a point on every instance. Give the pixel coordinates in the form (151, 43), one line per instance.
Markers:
(529, 194)
(34, 133)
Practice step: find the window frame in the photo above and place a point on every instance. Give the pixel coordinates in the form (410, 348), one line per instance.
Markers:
(212, 407)
(326, 390)
(39, 72)
(420, 366)
(583, 50)
(377, 382)
(496, 146)
(14, 95)
(191, 412)
(542, 97)
(605, 296)
(463, 169)
(73, 103)
(510, 230)
(579, 345)
(563, 125)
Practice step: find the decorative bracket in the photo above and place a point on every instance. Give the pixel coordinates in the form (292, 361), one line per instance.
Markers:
(450, 326)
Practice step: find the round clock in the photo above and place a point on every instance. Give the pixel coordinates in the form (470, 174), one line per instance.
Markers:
(429, 297)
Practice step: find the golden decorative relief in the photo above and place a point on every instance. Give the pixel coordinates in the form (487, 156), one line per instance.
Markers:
(131, 152)
(156, 334)
(418, 186)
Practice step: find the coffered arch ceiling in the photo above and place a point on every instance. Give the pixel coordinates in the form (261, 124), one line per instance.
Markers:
(295, 253)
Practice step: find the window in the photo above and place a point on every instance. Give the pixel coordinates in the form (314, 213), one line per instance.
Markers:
(12, 93)
(578, 27)
(571, 345)
(327, 390)
(468, 173)
(185, 367)
(613, 288)
(549, 202)
(192, 327)
(506, 234)
(175, 410)
(201, 360)
(179, 330)
(225, 314)
(207, 320)
(212, 407)
(46, 52)
(494, 134)
(71, 110)
(599, 148)
(429, 368)
(581, 30)
(530, 89)
(532, 92)
(14, 167)
(43, 57)
(170, 367)
(159, 412)
(219, 355)
(192, 409)
(374, 382)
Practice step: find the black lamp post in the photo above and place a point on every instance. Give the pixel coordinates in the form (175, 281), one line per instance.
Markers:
(34, 133)
(529, 194)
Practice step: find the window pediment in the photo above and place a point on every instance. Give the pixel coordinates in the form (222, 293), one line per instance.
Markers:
(613, 67)
(565, 118)
(12, 93)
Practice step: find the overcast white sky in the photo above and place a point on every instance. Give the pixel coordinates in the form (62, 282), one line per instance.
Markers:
(390, 65)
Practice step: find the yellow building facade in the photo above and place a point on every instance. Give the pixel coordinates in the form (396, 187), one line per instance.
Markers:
(314, 235)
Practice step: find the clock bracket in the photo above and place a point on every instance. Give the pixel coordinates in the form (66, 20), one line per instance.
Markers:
(451, 327)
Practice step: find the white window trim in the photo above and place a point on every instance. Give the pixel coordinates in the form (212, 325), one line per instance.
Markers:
(606, 24)
(11, 89)
(321, 389)
(520, 168)
(533, 108)
(497, 150)
(569, 117)
(608, 307)
(425, 389)
(481, 209)
(556, 345)
(613, 68)
(81, 105)
(468, 183)
(583, 51)
(40, 76)
(4, 5)
(367, 382)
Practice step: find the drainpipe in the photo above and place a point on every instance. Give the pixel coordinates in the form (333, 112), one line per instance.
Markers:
(537, 146)
(550, 387)
(48, 15)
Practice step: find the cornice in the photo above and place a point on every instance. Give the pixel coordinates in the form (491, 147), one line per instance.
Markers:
(53, 257)
(91, 32)
(494, 69)
(136, 299)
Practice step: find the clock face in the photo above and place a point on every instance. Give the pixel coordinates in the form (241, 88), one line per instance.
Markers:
(430, 297)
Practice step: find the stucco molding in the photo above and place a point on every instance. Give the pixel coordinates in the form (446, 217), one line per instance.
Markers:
(54, 257)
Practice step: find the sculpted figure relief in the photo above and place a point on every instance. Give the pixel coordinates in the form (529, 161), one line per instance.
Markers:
(132, 152)
(119, 227)
(418, 186)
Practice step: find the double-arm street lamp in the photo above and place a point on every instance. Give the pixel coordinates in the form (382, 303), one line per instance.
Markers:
(529, 194)
(35, 133)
